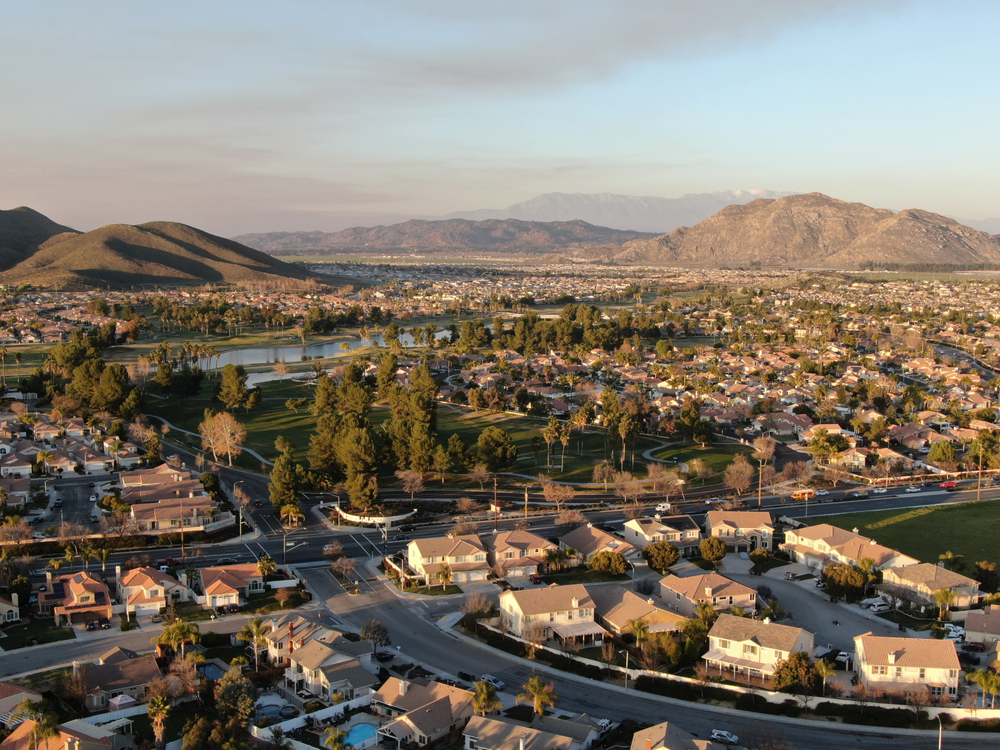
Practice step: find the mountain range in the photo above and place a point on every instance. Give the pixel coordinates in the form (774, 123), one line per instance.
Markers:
(36, 250)
(447, 235)
(814, 230)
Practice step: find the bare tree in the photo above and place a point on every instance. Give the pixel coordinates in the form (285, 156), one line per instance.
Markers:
(231, 435)
(662, 480)
(572, 518)
(627, 487)
(462, 528)
(479, 474)
(557, 493)
(603, 472)
(738, 475)
(412, 482)
(466, 506)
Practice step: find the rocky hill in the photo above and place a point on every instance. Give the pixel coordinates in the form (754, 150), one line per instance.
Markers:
(448, 235)
(634, 212)
(814, 230)
(22, 230)
(164, 253)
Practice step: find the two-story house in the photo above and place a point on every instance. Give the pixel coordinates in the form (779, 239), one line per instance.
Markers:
(821, 545)
(588, 540)
(741, 530)
(907, 664)
(231, 584)
(465, 556)
(421, 713)
(75, 597)
(541, 733)
(923, 579)
(145, 591)
(517, 553)
(321, 669)
(682, 595)
(983, 627)
(681, 531)
(752, 648)
(565, 613)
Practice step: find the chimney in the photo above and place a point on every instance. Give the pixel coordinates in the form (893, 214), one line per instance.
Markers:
(118, 572)
(48, 579)
(520, 743)
(854, 530)
(403, 685)
(13, 599)
(708, 591)
(574, 602)
(649, 743)
(892, 657)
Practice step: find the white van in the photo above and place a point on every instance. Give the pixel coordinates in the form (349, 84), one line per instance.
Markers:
(664, 508)
(866, 603)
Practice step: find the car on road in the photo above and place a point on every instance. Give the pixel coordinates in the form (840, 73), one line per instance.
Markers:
(41, 535)
(822, 493)
(400, 538)
(721, 735)
(860, 493)
(879, 491)
(226, 561)
(37, 572)
(258, 503)
(57, 504)
(405, 527)
(912, 489)
(948, 485)
(91, 484)
(93, 498)
(494, 681)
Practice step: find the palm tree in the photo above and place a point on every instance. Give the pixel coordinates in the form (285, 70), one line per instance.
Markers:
(103, 554)
(640, 630)
(868, 568)
(254, 632)
(87, 553)
(42, 458)
(70, 556)
(45, 723)
(945, 598)
(56, 564)
(292, 513)
(705, 612)
(445, 576)
(824, 669)
(336, 739)
(539, 694)
(266, 566)
(485, 701)
(158, 709)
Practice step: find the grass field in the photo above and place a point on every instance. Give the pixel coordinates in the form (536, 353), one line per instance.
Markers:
(926, 533)
(716, 456)
(44, 631)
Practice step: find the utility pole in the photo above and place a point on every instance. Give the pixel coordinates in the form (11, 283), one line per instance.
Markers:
(239, 505)
(496, 508)
(526, 502)
(979, 479)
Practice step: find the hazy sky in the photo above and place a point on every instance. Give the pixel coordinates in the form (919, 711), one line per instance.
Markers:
(263, 116)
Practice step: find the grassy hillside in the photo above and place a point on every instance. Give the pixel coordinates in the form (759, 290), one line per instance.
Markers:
(165, 253)
(22, 230)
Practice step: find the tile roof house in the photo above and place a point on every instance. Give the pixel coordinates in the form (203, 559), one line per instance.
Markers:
(668, 736)
(615, 608)
(545, 733)
(681, 595)
(422, 713)
(71, 735)
(923, 579)
(10, 696)
(119, 672)
(563, 612)
(231, 584)
(907, 664)
(682, 531)
(983, 627)
(818, 546)
(322, 669)
(465, 555)
(75, 597)
(519, 553)
(753, 648)
(742, 530)
(589, 540)
(148, 590)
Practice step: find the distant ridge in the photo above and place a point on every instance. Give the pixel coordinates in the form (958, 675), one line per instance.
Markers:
(121, 255)
(639, 213)
(447, 235)
(22, 230)
(814, 230)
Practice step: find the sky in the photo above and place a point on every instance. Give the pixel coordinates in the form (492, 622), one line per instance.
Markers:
(248, 116)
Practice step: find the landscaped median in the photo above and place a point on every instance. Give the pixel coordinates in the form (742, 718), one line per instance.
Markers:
(862, 711)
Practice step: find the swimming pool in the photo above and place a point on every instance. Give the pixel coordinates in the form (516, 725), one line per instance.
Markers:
(360, 733)
(211, 671)
(270, 710)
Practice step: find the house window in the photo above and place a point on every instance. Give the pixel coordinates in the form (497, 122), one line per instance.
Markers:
(473, 743)
(724, 644)
(552, 616)
(899, 671)
(923, 673)
(878, 670)
(749, 649)
(678, 596)
(953, 673)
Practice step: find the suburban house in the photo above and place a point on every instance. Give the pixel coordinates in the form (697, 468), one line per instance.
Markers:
(907, 664)
(682, 531)
(466, 556)
(118, 672)
(320, 669)
(518, 553)
(589, 540)
(422, 713)
(75, 597)
(821, 545)
(10, 696)
(562, 612)
(753, 648)
(9, 610)
(983, 627)
(616, 608)
(15, 465)
(70, 735)
(741, 530)
(192, 513)
(923, 579)
(290, 633)
(541, 733)
(668, 736)
(17, 491)
(681, 595)
(146, 591)
(231, 584)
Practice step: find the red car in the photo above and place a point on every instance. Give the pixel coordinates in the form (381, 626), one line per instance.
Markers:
(948, 485)
(535, 578)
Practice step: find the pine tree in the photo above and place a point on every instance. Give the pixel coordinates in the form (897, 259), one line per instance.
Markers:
(284, 481)
(233, 386)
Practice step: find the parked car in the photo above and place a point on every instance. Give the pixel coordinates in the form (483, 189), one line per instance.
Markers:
(233, 608)
(535, 578)
(220, 610)
(91, 625)
(105, 623)
(495, 681)
(604, 724)
(843, 658)
(866, 603)
(93, 498)
(721, 735)
(967, 660)
(384, 656)
(156, 617)
(978, 648)
(881, 607)
(57, 504)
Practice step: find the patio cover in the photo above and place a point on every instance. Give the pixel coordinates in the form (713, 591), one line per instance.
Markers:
(121, 701)
(578, 629)
(721, 657)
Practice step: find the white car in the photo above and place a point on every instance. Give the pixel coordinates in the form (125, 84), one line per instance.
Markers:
(879, 491)
(883, 607)
(93, 498)
(41, 535)
(913, 489)
(822, 493)
(495, 681)
(721, 735)
(866, 603)
(843, 658)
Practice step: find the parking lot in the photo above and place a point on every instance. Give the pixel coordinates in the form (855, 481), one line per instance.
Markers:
(69, 499)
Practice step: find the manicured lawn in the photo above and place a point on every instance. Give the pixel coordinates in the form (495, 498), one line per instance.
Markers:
(583, 575)
(909, 622)
(44, 631)
(266, 602)
(926, 533)
(434, 590)
(192, 612)
(715, 456)
(769, 564)
(701, 563)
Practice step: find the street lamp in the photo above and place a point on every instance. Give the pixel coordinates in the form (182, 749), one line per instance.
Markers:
(632, 564)
(625, 651)
(240, 505)
(940, 730)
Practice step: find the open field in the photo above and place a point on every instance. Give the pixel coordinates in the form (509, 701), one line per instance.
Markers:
(716, 456)
(926, 533)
